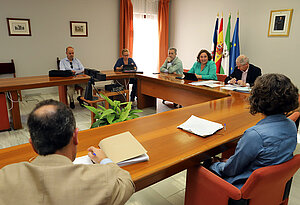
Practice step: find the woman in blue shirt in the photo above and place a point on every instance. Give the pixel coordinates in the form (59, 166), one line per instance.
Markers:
(125, 60)
(204, 68)
(273, 139)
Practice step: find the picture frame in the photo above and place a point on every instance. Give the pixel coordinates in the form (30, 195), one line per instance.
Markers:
(79, 28)
(280, 22)
(18, 27)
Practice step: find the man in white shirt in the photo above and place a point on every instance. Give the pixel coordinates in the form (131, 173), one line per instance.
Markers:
(73, 64)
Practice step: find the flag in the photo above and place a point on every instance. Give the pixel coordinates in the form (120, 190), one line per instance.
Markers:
(219, 48)
(227, 46)
(235, 47)
(215, 38)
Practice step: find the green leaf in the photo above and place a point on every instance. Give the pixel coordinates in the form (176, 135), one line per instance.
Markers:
(135, 111)
(107, 99)
(103, 108)
(92, 109)
(133, 116)
(110, 118)
(106, 112)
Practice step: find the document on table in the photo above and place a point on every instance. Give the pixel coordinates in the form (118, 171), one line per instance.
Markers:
(123, 149)
(87, 160)
(200, 126)
(237, 88)
(208, 83)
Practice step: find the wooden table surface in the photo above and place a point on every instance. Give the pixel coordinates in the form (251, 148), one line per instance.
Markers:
(171, 150)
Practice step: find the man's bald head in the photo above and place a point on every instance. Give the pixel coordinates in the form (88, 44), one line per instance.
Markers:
(51, 125)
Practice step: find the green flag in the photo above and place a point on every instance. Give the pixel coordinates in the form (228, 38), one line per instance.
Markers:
(227, 45)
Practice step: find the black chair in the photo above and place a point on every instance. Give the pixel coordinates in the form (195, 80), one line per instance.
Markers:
(9, 68)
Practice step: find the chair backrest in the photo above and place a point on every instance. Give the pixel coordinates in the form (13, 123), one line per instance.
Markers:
(58, 62)
(221, 77)
(295, 117)
(270, 185)
(8, 68)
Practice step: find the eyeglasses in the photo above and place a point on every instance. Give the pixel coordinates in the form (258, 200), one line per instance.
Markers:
(71, 65)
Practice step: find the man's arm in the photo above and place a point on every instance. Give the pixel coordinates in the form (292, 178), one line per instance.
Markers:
(163, 68)
(120, 180)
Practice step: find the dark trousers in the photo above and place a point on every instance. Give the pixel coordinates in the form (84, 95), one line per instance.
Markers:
(133, 81)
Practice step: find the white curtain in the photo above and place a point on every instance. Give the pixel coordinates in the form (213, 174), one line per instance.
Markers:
(145, 34)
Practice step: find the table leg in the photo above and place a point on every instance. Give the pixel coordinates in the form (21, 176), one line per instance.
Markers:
(144, 101)
(62, 90)
(15, 111)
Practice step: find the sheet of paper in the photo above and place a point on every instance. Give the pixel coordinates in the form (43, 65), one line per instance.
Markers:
(206, 82)
(83, 160)
(237, 88)
(200, 126)
(87, 160)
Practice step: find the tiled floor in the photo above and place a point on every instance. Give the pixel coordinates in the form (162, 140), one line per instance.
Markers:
(170, 191)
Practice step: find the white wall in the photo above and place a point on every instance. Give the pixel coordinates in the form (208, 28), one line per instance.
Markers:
(50, 27)
(192, 23)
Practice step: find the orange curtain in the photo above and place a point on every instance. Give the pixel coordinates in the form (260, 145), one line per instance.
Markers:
(163, 29)
(126, 25)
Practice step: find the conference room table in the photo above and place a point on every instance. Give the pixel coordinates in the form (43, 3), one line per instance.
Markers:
(12, 85)
(170, 149)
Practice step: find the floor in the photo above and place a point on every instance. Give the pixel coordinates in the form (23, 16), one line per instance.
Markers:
(170, 191)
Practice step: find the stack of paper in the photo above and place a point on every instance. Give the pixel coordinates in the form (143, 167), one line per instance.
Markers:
(208, 83)
(200, 126)
(122, 149)
(237, 88)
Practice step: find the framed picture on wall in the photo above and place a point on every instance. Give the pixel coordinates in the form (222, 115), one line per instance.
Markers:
(78, 29)
(18, 27)
(280, 22)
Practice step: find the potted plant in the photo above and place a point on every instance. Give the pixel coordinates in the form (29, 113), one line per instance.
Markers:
(117, 113)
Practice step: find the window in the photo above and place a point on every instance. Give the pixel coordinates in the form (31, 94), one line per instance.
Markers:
(145, 34)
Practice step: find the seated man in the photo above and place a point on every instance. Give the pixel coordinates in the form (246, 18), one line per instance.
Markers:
(172, 64)
(52, 178)
(73, 64)
(244, 73)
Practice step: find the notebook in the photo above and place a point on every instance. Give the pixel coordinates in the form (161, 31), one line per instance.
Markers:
(123, 149)
(190, 76)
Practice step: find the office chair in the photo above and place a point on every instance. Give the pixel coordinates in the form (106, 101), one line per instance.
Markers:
(9, 68)
(268, 185)
(221, 77)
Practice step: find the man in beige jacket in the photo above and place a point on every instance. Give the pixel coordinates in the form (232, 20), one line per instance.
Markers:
(52, 178)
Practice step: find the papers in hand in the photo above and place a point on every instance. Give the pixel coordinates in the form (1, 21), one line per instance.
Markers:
(122, 149)
(200, 126)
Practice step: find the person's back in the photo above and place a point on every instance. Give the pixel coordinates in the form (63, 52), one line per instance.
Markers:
(54, 179)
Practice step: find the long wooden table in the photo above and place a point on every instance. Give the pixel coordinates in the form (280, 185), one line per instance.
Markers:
(12, 85)
(171, 150)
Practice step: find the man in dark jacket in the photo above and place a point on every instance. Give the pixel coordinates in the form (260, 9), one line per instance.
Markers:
(244, 73)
